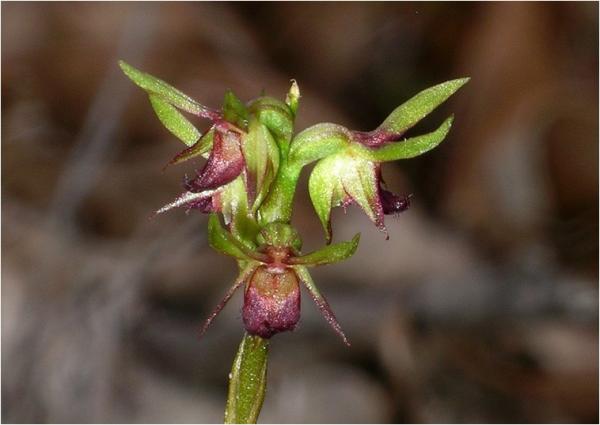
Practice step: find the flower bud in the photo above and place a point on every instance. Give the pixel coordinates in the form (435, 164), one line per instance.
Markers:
(271, 302)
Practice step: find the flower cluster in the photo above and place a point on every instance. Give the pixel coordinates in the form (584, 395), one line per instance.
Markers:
(250, 176)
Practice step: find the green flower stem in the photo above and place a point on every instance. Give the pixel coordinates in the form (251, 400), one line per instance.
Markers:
(247, 381)
(278, 205)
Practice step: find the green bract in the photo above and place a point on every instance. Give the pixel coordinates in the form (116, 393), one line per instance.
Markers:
(253, 163)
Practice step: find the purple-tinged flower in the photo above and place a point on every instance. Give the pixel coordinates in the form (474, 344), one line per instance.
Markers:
(224, 164)
(348, 170)
(272, 275)
(251, 155)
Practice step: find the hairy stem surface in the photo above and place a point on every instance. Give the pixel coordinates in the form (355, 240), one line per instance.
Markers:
(247, 381)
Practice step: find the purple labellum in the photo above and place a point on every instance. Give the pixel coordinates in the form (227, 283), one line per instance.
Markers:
(224, 164)
(392, 203)
(271, 302)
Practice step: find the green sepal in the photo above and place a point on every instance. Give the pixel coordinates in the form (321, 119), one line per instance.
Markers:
(292, 98)
(328, 255)
(304, 276)
(277, 117)
(405, 149)
(174, 120)
(319, 141)
(234, 110)
(168, 93)
(261, 156)
(412, 111)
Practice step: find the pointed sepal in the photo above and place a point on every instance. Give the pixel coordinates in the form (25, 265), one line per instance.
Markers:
(320, 301)
(242, 278)
(166, 92)
(174, 121)
(412, 111)
(405, 149)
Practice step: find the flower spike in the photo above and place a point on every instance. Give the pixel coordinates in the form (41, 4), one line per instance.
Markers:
(252, 168)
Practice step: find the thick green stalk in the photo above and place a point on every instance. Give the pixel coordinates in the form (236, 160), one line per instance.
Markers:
(247, 381)
(278, 205)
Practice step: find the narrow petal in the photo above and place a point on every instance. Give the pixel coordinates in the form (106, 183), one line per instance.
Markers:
(242, 278)
(404, 149)
(321, 302)
(201, 147)
(224, 164)
(187, 198)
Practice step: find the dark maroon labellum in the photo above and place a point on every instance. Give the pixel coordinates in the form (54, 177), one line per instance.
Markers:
(394, 204)
(271, 302)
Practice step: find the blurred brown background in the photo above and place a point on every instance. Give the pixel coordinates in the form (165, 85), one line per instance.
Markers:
(482, 306)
